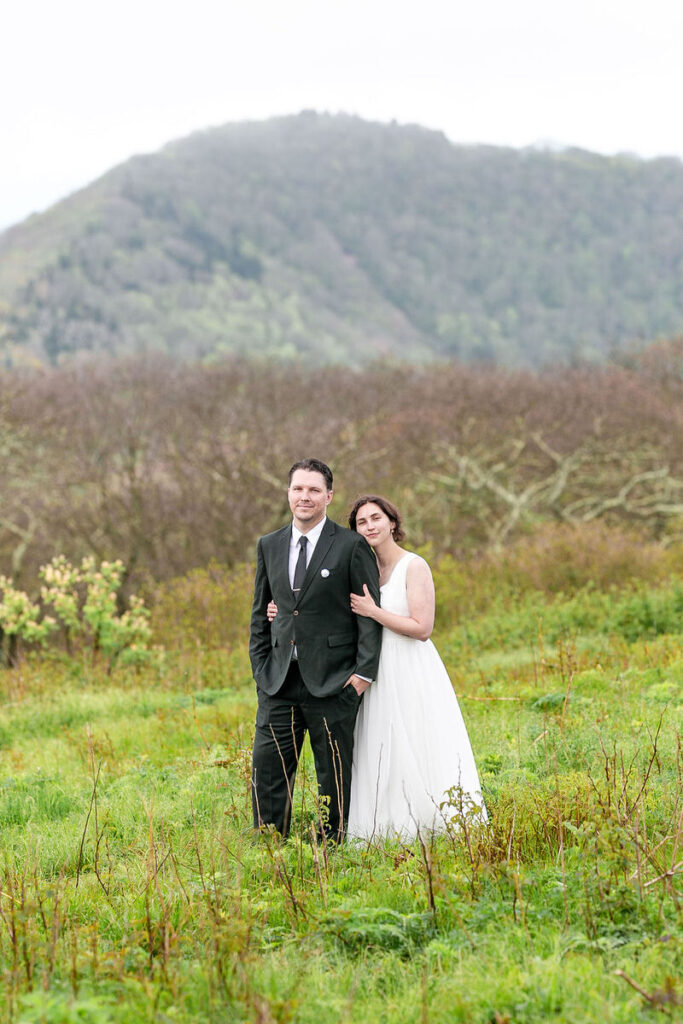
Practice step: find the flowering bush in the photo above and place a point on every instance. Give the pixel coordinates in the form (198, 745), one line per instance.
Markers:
(85, 606)
(19, 616)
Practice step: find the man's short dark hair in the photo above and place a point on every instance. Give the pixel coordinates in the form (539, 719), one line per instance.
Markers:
(313, 466)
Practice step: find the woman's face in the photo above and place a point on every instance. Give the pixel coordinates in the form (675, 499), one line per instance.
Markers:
(373, 524)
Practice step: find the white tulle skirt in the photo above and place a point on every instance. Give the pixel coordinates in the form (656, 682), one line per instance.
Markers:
(413, 762)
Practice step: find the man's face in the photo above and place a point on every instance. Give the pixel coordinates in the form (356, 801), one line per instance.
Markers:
(308, 498)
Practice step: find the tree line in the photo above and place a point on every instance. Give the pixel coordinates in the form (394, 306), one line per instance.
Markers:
(168, 466)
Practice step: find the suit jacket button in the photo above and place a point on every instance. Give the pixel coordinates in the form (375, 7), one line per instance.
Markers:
(296, 613)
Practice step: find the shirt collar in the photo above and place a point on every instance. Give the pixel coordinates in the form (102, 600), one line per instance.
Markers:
(312, 536)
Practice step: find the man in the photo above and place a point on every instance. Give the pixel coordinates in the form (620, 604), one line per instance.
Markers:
(313, 663)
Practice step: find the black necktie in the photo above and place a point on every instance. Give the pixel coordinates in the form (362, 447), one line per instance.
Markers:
(300, 567)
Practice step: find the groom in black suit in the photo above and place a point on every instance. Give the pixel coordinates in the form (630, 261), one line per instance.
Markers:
(315, 660)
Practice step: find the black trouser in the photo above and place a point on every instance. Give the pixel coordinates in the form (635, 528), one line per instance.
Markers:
(281, 723)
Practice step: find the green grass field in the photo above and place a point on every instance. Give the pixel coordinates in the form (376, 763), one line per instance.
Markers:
(132, 888)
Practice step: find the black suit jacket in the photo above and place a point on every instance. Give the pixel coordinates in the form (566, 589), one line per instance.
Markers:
(331, 642)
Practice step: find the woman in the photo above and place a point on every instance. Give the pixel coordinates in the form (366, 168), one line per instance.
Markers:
(413, 763)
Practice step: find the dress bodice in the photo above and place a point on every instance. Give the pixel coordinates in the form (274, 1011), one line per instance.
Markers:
(393, 593)
(411, 745)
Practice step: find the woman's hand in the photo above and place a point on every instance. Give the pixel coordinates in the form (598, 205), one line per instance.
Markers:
(419, 622)
(364, 604)
(271, 611)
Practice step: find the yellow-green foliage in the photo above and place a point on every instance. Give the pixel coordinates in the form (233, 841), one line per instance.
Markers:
(554, 559)
(207, 608)
(568, 575)
(84, 600)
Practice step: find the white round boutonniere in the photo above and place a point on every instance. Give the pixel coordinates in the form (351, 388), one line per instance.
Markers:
(324, 573)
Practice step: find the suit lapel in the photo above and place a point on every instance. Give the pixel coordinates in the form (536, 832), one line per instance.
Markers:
(322, 547)
(282, 556)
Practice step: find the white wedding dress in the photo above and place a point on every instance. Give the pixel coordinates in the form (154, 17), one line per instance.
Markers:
(411, 745)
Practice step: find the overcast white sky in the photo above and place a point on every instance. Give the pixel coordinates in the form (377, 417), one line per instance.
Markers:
(84, 85)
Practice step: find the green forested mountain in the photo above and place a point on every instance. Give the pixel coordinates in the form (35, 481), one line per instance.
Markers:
(340, 240)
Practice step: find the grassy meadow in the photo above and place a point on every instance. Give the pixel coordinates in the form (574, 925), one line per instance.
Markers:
(132, 888)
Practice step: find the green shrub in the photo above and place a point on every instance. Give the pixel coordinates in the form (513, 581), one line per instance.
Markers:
(84, 601)
(208, 608)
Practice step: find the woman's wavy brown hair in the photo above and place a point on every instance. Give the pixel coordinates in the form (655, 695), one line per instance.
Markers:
(387, 507)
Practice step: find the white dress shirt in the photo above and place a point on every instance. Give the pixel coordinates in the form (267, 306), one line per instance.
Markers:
(313, 536)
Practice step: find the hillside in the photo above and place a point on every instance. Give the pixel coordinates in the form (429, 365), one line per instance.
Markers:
(345, 241)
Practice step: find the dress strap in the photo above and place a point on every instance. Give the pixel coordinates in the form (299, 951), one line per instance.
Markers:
(403, 564)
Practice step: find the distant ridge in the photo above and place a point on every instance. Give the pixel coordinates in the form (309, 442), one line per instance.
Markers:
(337, 240)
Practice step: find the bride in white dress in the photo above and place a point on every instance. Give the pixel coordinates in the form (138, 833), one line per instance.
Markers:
(413, 765)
